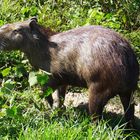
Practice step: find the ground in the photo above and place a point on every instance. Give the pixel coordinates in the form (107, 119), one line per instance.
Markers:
(114, 106)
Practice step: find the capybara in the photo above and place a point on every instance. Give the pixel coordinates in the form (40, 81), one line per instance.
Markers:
(92, 56)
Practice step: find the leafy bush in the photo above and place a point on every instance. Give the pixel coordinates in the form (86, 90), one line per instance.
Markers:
(63, 15)
(23, 114)
(134, 38)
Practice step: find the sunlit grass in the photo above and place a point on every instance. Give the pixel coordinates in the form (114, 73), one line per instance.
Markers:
(35, 121)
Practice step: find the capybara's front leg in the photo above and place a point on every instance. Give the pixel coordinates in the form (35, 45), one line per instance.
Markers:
(53, 84)
(61, 95)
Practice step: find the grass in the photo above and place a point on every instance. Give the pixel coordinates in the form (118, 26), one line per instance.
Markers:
(68, 128)
(26, 117)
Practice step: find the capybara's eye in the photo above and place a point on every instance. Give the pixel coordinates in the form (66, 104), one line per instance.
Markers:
(16, 31)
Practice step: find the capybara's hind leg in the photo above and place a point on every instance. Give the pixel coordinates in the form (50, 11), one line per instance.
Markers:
(97, 101)
(128, 105)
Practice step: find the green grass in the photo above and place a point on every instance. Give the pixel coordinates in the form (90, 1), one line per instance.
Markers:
(72, 129)
(67, 127)
(25, 116)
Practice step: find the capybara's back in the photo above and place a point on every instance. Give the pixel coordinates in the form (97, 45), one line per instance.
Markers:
(97, 55)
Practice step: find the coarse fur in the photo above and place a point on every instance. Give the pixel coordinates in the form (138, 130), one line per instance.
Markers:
(92, 56)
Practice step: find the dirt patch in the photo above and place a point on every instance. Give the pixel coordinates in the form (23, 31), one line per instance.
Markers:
(114, 105)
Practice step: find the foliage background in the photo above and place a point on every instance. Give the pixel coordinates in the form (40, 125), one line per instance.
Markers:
(60, 15)
(18, 105)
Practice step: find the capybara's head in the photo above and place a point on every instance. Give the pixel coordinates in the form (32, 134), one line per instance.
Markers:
(18, 35)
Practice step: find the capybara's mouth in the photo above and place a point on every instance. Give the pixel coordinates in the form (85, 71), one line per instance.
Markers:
(2, 45)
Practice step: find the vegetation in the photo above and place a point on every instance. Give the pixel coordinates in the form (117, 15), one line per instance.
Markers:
(23, 113)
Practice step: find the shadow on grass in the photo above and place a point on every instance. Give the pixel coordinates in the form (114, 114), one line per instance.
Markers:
(113, 119)
(118, 119)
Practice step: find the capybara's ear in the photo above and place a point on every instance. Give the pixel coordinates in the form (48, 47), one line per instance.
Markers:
(34, 27)
(34, 19)
(33, 23)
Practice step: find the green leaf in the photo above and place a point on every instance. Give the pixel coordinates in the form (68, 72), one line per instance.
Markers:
(7, 88)
(33, 11)
(11, 112)
(10, 86)
(2, 101)
(32, 78)
(1, 22)
(20, 70)
(48, 91)
(108, 15)
(6, 71)
(42, 79)
(25, 11)
(124, 18)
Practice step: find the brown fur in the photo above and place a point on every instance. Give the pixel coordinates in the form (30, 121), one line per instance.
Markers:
(91, 56)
